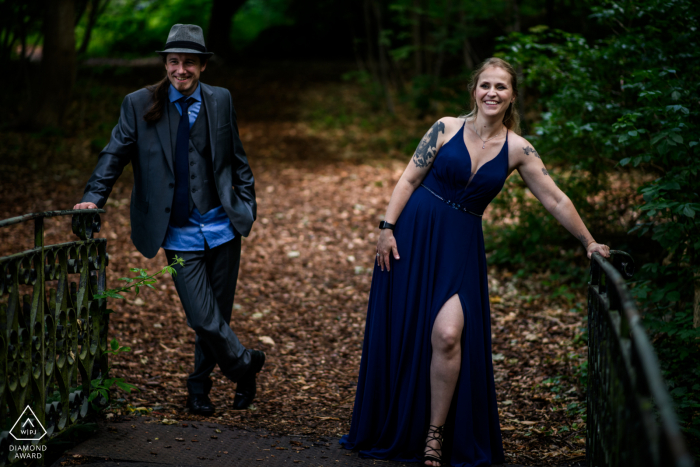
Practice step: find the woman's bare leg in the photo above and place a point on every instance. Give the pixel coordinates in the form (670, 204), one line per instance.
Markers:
(444, 367)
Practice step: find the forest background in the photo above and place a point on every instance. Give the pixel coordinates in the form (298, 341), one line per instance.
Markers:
(609, 96)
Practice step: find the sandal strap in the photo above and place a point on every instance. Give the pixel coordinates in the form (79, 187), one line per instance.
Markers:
(435, 433)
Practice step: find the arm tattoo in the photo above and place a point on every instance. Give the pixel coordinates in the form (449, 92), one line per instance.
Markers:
(529, 150)
(544, 171)
(427, 148)
(582, 239)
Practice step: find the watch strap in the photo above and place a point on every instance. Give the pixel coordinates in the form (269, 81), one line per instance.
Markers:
(386, 225)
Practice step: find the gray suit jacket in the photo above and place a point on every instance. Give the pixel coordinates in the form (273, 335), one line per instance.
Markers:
(149, 149)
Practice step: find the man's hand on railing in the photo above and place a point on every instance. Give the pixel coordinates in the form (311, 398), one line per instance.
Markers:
(594, 247)
(94, 206)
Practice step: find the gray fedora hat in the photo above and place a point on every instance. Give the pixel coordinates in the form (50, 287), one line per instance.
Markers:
(185, 39)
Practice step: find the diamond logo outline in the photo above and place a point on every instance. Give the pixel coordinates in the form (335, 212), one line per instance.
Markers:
(43, 430)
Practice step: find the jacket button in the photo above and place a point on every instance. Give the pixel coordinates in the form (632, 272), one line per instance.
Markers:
(194, 190)
(193, 177)
(191, 149)
(167, 210)
(171, 185)
(191, 163)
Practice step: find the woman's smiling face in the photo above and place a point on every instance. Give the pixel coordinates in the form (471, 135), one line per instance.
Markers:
(494, 91)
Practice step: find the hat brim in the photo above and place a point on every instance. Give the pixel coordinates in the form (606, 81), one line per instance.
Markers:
(184, 51)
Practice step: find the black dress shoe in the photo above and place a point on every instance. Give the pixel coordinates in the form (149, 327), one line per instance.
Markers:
(200, 404)
(246, 387)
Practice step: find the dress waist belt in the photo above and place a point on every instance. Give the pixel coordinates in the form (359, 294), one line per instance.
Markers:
(450, 203)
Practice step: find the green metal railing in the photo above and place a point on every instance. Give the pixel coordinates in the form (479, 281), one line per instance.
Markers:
(630, 420)
(53, 335)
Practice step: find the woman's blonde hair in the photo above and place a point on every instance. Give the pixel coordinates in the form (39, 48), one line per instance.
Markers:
(511, 119)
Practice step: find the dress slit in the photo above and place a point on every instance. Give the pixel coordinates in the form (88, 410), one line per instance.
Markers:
(449, 297)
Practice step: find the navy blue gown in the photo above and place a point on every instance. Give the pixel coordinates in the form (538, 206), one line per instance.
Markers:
(441, 244)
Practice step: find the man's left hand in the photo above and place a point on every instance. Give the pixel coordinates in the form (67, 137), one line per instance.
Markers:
(89, 206)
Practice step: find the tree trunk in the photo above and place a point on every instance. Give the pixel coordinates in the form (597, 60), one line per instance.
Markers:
(219, 32)
(417, 42)
(471, 59)
(696, 302)
(58, 65)
(96, 9)
(516, 17)
(382, 53)
(371, 57)
(444, 25)
(399, 80)
(696, 297)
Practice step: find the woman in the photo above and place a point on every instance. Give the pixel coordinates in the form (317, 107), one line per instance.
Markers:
(426, 388)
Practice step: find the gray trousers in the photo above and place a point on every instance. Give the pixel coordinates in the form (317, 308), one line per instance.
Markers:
(206, 286)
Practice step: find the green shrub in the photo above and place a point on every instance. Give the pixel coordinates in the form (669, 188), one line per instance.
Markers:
(623, 105)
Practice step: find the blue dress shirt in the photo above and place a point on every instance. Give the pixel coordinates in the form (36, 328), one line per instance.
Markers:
(214, 227)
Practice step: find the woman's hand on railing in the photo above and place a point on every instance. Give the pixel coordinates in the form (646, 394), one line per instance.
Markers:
(594, 247)
(93, 206)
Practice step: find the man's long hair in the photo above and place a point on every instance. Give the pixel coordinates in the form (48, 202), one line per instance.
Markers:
(160, 98)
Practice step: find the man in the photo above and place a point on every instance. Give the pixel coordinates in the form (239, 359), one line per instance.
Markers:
(193, 196)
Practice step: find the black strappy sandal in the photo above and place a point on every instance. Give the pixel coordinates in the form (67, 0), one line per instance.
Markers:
(434, 434)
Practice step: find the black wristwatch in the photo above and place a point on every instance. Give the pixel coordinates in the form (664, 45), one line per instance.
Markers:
(386, 225)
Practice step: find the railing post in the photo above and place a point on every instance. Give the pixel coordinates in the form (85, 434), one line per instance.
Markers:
(37, 318)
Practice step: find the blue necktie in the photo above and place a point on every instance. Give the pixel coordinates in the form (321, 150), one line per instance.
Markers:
(181, 201)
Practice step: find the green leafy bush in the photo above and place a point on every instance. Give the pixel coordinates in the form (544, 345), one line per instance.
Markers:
(621, 106)
(132, 28)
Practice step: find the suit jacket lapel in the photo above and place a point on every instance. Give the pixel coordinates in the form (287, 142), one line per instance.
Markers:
(163, 129)
(212, 116)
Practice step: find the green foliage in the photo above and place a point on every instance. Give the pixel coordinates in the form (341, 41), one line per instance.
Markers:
(256, 16)
(629, 103)
(100, 387)
(582, 373)
(115, 348)
(425, 36)
(134, 28)
(575, 90)
(143, 279)
(676, 344)
(138, 27)
(432, 46)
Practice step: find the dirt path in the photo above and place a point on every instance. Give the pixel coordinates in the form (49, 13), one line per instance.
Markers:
(303, 287)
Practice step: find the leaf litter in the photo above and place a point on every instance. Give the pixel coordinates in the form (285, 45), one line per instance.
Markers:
(302, 296)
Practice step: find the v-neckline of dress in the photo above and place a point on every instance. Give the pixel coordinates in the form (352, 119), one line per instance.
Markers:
(472, 174)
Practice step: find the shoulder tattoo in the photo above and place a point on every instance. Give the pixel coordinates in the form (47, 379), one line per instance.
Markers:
(530, 150)
(427, 148)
